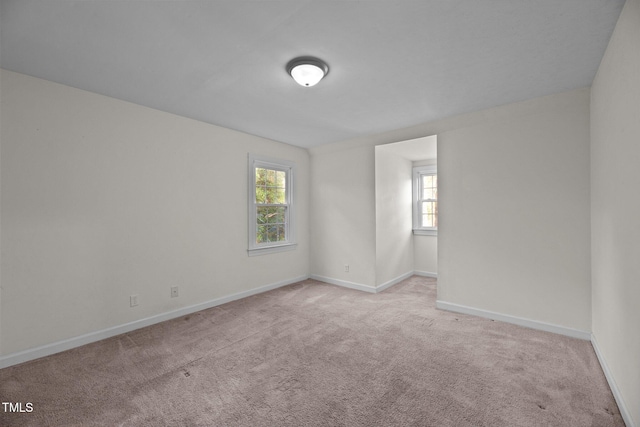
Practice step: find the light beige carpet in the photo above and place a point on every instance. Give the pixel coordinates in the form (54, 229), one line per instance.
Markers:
(313, 354)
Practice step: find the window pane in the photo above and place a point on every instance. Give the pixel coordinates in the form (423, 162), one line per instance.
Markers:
(271, 215)
(270, 225)
(261, 216)
(279, 215)
(429, 193)
(261, 234)
(429, 187)
(271, 177)
(261, 182)
(275, 233)
(270, 186)
(260, 194)
(428, 220)
(261, 176)
(429, 214)
(276, 215)
(435, 216)
(279, 195)
(272, 194)
(270, 233)
(269, 195)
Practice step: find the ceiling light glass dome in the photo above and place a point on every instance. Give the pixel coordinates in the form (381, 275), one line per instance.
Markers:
(307, 71)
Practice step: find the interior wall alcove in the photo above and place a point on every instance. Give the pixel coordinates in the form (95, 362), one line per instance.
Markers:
(398, 251)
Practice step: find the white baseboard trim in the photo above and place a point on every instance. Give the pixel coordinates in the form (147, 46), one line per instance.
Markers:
(57, 347)
(344, 283)
(425, 274)
(624, 411)
(392, 282)
(533, 324)
(368, 288)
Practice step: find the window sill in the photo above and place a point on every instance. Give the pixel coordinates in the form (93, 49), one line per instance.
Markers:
(272, 249)
(422, 232)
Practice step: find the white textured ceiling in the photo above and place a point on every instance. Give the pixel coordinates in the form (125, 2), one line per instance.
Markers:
(393, 64)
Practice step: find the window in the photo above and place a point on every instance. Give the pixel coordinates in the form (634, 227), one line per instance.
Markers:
(425, 200)
(270, 205)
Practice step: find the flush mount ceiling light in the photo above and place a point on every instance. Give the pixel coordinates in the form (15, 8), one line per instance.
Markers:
(307, 71)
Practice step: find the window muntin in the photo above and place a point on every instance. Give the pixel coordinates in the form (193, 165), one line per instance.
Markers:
(270, 205)
(425, 200)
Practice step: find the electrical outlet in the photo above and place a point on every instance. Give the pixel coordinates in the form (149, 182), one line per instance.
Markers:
(174, 291)
(133, 300)
(346, 268)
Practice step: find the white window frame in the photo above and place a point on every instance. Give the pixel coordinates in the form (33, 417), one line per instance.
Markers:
(418, 173)
(256, 161)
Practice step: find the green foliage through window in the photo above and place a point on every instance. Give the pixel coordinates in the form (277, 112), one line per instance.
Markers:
(270, 186)
(271, 217)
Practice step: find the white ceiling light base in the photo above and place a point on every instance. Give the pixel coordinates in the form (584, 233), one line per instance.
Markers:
(307, 71)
